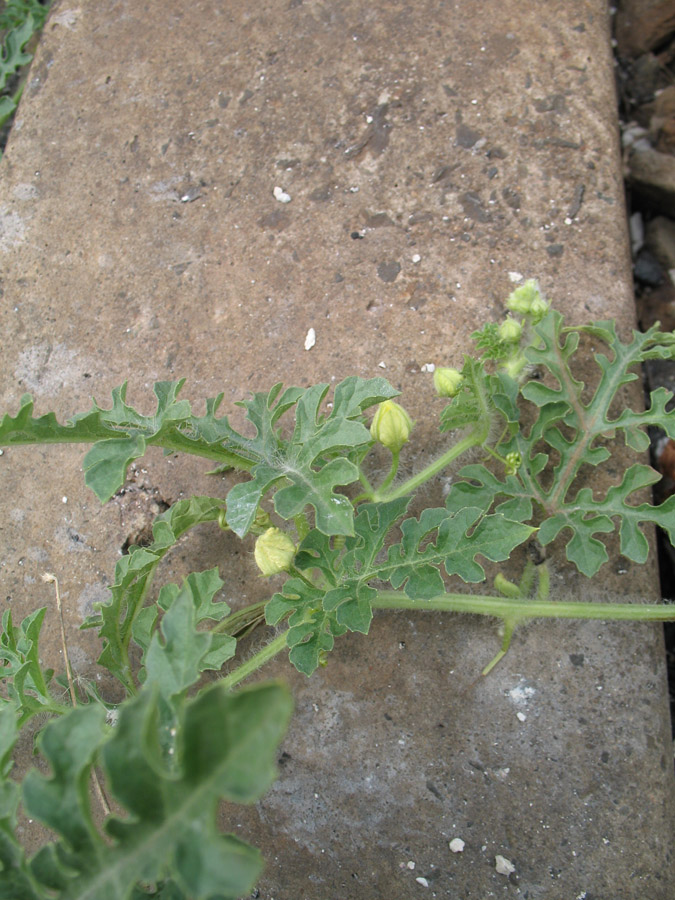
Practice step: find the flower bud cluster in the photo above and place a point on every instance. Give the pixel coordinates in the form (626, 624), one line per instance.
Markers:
(527, 301)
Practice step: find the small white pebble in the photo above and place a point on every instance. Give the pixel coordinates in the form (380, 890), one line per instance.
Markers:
(521, 716)
(504, 866)
(382, 365)
(568, 221)
(457, 845)
(422, 881)
(281, 195)
(410, 864)
(64, 499)
(416, 257)
(515, 277)
(310, 340)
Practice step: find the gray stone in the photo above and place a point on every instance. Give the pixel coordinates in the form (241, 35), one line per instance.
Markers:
(398, 746)
(660, 240)
(647, 269)
(643, 25)
(651, 177)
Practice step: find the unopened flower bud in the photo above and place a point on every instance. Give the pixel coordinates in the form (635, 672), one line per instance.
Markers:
(391, 426)
(538, 309)
(513, 462)
(506, 588)
(274, 552)
(514, 366)
(527, 300)
(448, 381)
(510, 331)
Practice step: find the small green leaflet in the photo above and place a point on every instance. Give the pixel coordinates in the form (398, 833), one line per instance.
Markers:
(178, 653)
(311, 629)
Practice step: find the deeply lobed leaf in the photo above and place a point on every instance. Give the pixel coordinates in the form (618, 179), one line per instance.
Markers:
(118, 620)
(228, 748)
(320, 455)
(578, 433)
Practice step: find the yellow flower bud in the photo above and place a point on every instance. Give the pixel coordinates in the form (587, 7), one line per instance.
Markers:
(391, 425)
(447, 381)
(510, 331)
(274, 552)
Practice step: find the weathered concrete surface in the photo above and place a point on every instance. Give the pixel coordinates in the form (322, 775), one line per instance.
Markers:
(141, 238)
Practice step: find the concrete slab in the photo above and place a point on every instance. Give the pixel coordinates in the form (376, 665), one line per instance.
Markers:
(428, 150)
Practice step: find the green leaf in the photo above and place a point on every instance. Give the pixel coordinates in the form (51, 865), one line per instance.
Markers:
(15, 12)
(27, 683)
(13, 56)
(176, 660)
(15, 879)
(121, 434)
(576, 432)
(311, 630)
(62, 801)
(229, 743)
(116, 620)
(318, 457)
(173, 661)
(228, 751)
(587, 517)
(460, 537)
(352, 597)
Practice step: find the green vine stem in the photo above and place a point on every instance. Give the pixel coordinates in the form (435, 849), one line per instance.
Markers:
(512, 611)
(519, 610)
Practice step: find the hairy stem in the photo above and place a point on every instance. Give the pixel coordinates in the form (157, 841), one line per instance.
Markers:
(395, 454)
(517, 610)
(255, 662)
(474, 439)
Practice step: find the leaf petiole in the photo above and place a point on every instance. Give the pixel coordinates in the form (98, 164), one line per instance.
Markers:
(255, 662)
(477, 437)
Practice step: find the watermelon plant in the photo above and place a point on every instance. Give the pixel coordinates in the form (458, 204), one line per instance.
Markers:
(346, 546)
